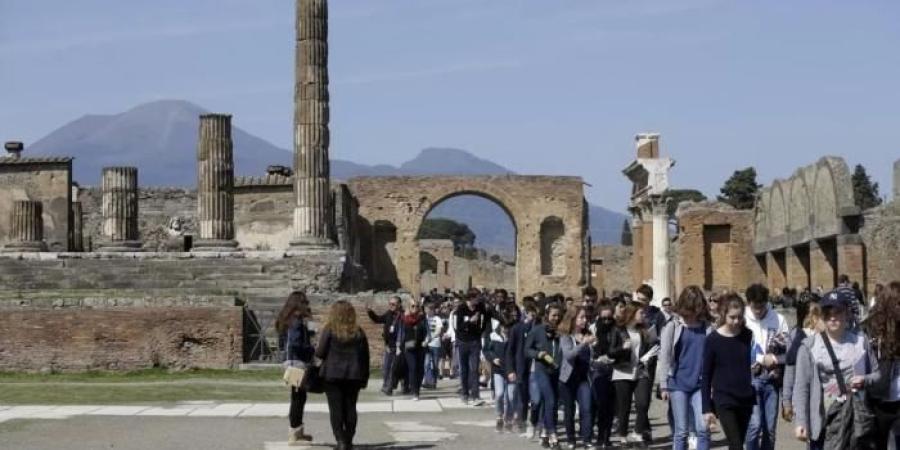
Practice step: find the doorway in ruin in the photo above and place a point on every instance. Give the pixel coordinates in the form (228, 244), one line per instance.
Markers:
(717, 257)
(467, 240)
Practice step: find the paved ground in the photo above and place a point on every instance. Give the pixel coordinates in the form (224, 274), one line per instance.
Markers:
(438, 421)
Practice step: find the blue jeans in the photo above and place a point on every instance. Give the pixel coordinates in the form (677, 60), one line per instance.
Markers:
(432, 359)
(534, 397)
(685, 405)
(469, 357)
(580, 392)
(761, 431)
(387, 367)
(415, 360)
(505, 397)
(548, 386)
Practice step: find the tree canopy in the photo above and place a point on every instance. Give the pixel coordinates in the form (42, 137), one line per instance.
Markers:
(439, 228)
(865, 192)
(740, 190)
(674, 197)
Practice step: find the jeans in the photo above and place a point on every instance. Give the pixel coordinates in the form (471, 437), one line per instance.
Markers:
(387, 366)
(523, 397)
(298, 403)
(432, 360)
(548, 386)
(602, 390)
(685, 405)
(454, 360)
(505, 397)
(640, 389)
(534, 394)
(469, 357)
(415, 362)
(761, 431)
(342, 396)
(580, 392)
(734, 421)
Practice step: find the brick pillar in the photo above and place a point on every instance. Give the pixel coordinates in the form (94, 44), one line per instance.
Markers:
(851, 258)
(821, 272)
(26, 226)
(637, 251)
(77, 228)
(775, 273)
(119, 187)
(215, 184)
(312, 186)
(796, 273)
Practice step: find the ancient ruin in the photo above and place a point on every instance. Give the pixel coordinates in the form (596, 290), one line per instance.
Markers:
(120, 209)
(215, 184)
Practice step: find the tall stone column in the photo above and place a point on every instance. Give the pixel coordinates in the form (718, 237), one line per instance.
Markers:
(311, 134)
(119, 188)
(647, 250)
(77, 227)
(660, 251)
(215, 184)
(637, 251)
(26, 227)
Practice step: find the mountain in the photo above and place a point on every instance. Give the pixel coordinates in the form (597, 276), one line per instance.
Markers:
(161, 139)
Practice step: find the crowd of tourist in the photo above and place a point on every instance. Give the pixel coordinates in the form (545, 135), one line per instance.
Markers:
(725, 361)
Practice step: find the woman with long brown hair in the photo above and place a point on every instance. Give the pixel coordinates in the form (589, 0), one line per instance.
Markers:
(294, 332)
(576, 341)
(631, 378)
(344, 352)
(884, 328)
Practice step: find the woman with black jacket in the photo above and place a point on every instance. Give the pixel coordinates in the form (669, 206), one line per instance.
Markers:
(542, 346)
(344, 352)
(630, 378)
(574, 376)
(292, 327)
(411, 339)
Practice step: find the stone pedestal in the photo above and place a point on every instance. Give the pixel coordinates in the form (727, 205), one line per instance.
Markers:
(311, 135)
(215, 185)
(26, 227)
(796, 268)
(660, 252)
(77, 228)
(851, 258)
(119, 187)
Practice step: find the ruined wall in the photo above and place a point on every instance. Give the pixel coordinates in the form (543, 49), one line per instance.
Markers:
(157, 207)
(714, 248)
(881, 235)
(47, 180)
(613, 270)
(119, 334)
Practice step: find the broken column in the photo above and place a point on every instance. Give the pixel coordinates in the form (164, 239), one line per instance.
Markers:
(119, 188)
(26, 227)
(215, 184)
(311, 136)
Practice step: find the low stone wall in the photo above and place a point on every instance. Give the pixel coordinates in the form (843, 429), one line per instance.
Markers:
(119, 333)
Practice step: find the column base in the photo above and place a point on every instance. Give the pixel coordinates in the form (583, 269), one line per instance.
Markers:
(27, 246)
(120, 246)
(311, 242)
(215, 245)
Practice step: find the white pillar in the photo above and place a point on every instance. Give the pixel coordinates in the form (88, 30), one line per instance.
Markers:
(660, 252)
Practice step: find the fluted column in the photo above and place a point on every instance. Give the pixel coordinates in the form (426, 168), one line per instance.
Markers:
(77, 228)
(215, 184)
(119, 188)
(26, 227)
(311, 136)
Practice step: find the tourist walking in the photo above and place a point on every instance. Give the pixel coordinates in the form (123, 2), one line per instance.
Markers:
(631, 378)
(680, 364)
(344, 352)
(542, 346)
(433, 346)
(470, 325)
(726, 386)
(601, 372)
(518, 367)
(809, 322)
(770, 335)
(390, 321)
(411, 345)
(504, 390)
(834, 369)
(296, 336)
(575, 342)
(883, 329)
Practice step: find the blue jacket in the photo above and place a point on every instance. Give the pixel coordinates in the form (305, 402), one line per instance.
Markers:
(298, 342)
(538, 342)
(516, 361)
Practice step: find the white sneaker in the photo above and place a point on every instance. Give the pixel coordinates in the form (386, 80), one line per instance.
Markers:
(634, 438)
(692, 442)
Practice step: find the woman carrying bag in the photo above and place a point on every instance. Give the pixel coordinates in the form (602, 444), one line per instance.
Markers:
(834, 368)
(411, 345)
(297, 338)
(344, 352)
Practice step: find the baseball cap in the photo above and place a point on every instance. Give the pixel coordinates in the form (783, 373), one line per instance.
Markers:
(842, 296)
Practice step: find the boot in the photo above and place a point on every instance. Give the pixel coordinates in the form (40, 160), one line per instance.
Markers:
(297, 435)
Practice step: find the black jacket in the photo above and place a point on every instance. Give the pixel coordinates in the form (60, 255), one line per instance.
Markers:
(298, 342)
(496, 349)
(344, 360)
(516, 362)
(412, 337)
(538, 342)
(471, 330)
(389, 328)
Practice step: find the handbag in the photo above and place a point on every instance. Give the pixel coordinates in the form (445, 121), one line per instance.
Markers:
(313, 381)
(294, 376)
(851, 423)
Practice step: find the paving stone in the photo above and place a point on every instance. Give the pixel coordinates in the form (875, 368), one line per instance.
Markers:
(374, 407)
(417, 406)
(118, 411)
(266, 410)
(223, 410)
(176, 411)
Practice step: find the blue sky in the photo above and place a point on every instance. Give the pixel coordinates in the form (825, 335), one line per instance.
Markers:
(540, 86)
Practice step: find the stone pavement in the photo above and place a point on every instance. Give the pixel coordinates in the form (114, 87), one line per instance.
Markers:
(438, 421)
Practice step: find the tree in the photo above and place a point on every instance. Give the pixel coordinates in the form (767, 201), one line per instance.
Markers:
(674, 197)
(463, 238)
(865, 192)
(740, 190)
(627, 239)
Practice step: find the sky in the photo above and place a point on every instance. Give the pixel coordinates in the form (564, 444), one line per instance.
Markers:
(540, 86)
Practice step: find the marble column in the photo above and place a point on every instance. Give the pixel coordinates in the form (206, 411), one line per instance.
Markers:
(215, 185)
(637, 251)
(26, 227)
(660, 251)
(119, 188)
(312, 186)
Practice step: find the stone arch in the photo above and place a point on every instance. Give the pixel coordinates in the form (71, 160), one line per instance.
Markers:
(384, 255)
(427, 262)
(825, 208)
(761, 216)
(799, 207)
(552, 246)
(777, 213)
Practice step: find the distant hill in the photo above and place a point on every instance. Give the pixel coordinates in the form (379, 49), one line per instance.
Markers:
(161, 139)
